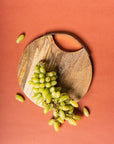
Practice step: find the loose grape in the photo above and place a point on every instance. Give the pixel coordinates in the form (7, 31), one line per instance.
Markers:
(20, 38)
(42, 80)
(48, 85)
(19, 98)
(73, 103)
(53, 83)
(47, 79)
(86, 112)
(52, 89)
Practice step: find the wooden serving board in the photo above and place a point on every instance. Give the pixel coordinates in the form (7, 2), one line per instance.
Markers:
(74, 68)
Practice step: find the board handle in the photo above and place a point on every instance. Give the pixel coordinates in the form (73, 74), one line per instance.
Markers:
(77, 38)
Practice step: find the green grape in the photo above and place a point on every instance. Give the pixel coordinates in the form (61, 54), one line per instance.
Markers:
(41, 75)
(39, 100)
(86, 112)
(73, 103)
(35, 80)
(42, 70)
(36, 85)
(52, 89)
(35, 90)
(41, 90)
(56, 126)
(64, 108)
(53, 78)
(42, 80)
(42, 85)
(72, 121)
(76, 117)
(54, 73)
(62, 114)
(46, 109)
(71, 111)
(47, 96)
(57, 94)
(48, 85)
(36, 75)
(51, 106)
(50, 74)
(62, 103)
(37, 70)
(31, 83)
(58, 88)
(47, 79)
(35, 96)
(55, 113)
(53, 94)
(63, 98)
(53, 83)
(60, 120)
(51, 121)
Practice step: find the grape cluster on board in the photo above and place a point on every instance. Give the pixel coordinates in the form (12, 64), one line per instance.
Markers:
(49, 96)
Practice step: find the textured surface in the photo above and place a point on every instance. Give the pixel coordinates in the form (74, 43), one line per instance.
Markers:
(74, 68)
(93, 21)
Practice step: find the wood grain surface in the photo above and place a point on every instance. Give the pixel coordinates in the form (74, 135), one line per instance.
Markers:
(74, 68)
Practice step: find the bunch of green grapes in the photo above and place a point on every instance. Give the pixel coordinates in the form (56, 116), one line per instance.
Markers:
(49, 96)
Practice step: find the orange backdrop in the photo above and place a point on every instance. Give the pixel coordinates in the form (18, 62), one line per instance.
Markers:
(93, 21)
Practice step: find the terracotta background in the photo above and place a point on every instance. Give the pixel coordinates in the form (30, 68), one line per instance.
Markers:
(93, 21)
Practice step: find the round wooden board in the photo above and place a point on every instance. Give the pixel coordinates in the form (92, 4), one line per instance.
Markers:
(74, 68)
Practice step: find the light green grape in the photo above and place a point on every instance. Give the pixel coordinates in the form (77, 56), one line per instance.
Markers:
(62, 114)
(47, 79)
(52, 89)
(56, 126)
(53, 83)
(51, 121)
(48, 85)
(42, 80)
(37, 69)
(41, 75)
(35, 96)
(60, 120)
(55, 113)
(72, 121)
(63, 98)
(46, 109)
(42, 70)
(73, 103)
